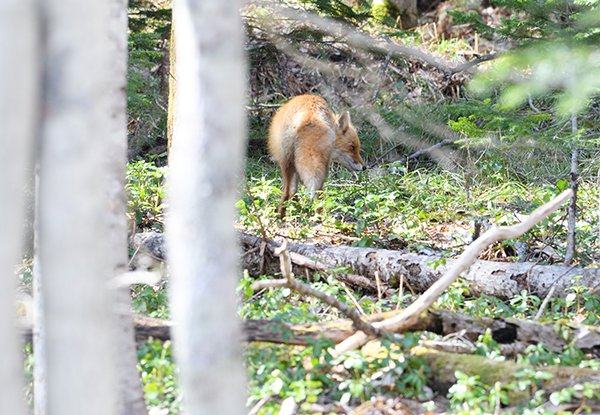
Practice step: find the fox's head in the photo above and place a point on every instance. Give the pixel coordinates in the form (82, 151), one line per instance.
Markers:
(347, 144)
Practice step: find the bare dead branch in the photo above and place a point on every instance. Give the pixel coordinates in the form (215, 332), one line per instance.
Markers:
(292, 283)
(303, 261)
(358, 39)
(353, 279)
(494, 234)
(432, 148)
(467, 66)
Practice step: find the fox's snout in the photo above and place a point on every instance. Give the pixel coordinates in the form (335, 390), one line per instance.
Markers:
(351, 163)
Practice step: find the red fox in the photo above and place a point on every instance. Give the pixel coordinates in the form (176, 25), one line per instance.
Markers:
(304, 137)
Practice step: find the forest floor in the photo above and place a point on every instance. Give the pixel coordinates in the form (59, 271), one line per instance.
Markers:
(497, 165)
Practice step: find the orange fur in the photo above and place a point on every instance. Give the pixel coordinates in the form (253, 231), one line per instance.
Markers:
(304, 137)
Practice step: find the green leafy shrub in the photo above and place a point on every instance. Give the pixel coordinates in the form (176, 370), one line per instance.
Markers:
(146, 194)
(159, 376)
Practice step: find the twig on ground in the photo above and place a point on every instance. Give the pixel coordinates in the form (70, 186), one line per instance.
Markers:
(249, 251)
(261, 268)
(538, 315)
(400, 292)
(353, 299)
(378, 281)
(258, 106)
(533, 107)
(288, 406)
(259, 404)
(290, 282)
(550, 293)
(353, 279)
(379, 159)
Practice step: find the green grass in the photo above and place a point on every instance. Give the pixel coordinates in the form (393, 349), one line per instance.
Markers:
(392, 203)
(392, 206)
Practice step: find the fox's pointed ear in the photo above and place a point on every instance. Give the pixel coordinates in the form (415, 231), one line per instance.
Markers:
(344, 121)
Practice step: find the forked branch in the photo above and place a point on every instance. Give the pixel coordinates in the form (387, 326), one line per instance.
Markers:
(290, 282)
(494, 234)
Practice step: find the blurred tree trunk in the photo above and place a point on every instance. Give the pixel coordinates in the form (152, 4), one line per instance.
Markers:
(131, 396)
(40, 401)
(404, 11)
(19, 95)
(172, 86)
(408, 12)
(206, 160)
(74, 241)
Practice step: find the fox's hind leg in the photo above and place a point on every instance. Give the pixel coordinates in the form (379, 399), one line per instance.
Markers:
(313, 175)
(313, 172)
(290, 184)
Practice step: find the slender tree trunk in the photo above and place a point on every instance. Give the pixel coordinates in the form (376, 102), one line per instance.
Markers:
(19, 95)
(40, 395)
(172, 87)
(574, 179)
(408, 12)
(74, 243)
(206, 159)
(131, 396)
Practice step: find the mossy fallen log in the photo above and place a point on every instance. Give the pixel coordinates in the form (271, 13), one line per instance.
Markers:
(445, 365)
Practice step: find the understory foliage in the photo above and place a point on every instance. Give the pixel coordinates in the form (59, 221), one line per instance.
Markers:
(512, 140)
(419, 210)
(147, 83)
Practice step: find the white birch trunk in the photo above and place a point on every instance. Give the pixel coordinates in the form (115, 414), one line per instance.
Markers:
(131, 396)
(74, 245)
(206, 157)
(19, 95)
(40, 401)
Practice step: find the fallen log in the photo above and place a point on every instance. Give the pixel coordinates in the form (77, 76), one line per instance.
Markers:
(500, 279)
(444, 366)
(506, 332)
